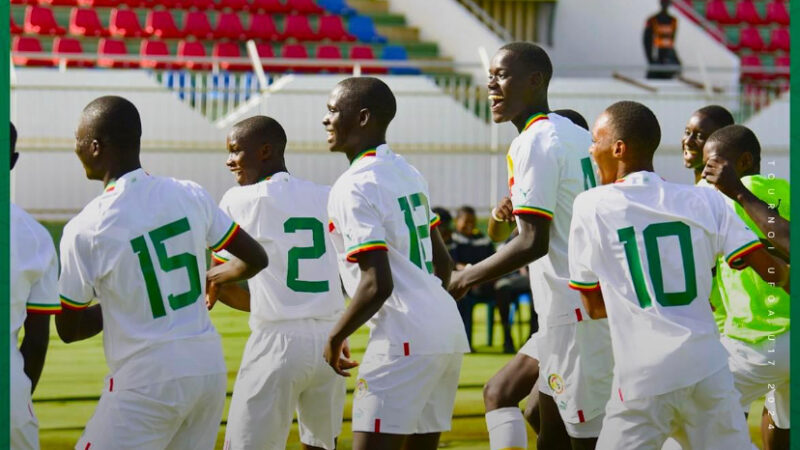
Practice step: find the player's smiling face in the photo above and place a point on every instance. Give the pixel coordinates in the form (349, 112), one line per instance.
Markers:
(602, 150)
(340, 122)
(510, 90)
(695, 134)
(243, 159)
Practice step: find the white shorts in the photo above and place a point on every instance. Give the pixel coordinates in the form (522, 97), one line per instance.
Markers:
(576, 369)
(530, 348)
(406, 394)
(184, 413)
(760, 369)
(704, 416)
(283, 371)
(24, 425)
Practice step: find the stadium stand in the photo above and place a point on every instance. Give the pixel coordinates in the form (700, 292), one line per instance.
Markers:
(64, 46)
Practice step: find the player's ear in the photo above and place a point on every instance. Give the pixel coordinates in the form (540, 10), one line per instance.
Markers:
(96, 148)
(265, 151)
(363, 117)
(618, 149)
(744, 163)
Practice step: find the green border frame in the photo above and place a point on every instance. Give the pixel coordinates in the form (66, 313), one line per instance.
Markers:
(5, 198)
(794, 167)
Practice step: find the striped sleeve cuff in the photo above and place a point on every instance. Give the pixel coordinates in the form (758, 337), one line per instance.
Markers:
(68, 303)
(365, 247)
(435, 221)
(584, 287)
(733, 258)
(227, 238)
(217, 258)
(534, 211)
(42, 308)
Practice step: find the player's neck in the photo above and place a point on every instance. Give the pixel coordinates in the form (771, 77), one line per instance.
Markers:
(367, 144)
(117, 172)
(269, 171)
(540, 107)
(626, 169)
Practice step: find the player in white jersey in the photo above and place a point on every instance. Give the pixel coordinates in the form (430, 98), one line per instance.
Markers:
(641, 252)
(34, 296)
(293, 303)
(548, 165)
(390, 256)
(139, 249)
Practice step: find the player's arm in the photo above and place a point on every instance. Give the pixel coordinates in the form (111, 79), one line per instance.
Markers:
(531, 244)
(771, 269)
(373, 289)
(648, 41)
(442, 263)
(231, 294)
(34, 345)
(500, 230)
(250, 258)
(594, 304)
(79, 324)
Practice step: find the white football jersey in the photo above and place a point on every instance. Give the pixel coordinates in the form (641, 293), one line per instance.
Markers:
(381, 203)
(548, 165)
(650, 246)
(34, 282)
(288, 217)
(140, 249)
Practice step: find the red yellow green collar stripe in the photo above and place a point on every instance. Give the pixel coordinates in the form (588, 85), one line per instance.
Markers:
(585, 287)
(110, 186)
(742, 251)
(38, 308)
(227, 238)
(435, 221)
(365, 154)
(72, 304)
(365, 247)
(533, 211)
(218, 259)
(533, 119)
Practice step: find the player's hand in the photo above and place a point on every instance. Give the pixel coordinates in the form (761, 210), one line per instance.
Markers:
(504, 210)
(337, 354)
(720, 173)
(212, 294)
(458, 287)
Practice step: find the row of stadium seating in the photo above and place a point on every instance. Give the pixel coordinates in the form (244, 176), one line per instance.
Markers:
(754, 66)
(270, 6)
(108, 49)
(758, 39)
(125, 23)
(744, 11)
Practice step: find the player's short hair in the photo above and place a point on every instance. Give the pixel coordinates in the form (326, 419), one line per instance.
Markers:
(444, 215)
(265, 129)
(372, 94)
(718, 114)
(636, 125)
(12, 137)
(464, 210)
(574, 116)
(533, 57)
(734, 140)
(115, 121)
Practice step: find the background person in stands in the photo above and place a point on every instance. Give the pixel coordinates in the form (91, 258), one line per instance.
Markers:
(446, 228)
(659, 44)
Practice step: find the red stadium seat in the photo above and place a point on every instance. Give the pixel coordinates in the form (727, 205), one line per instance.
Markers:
(304, 6)
(298, 51)
(365, 52)
(751, 68)
(40, 20)
(108, 48)
(330, 52)
(264, 50)
(331, 27)
(746, 13)
(777, 13)
(229, 26)
(750, 38)
(199, 4)
(84, 22)
(99, 3)
(229, 50)
(58, 2)
(270, 6)
(125, 23)
(717, 11)
(14, 28)
(779, 39)
(32, 45)
(195, 23)
(192, 49)
(782, 62)
(262, 27)
(24, 2)
(155, 48)
(69, 46)
(233, 5)
(299, 28)
(162, 25)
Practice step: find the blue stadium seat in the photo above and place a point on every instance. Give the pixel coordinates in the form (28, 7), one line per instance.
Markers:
(398, 53)
(362, 28)
(338, 7)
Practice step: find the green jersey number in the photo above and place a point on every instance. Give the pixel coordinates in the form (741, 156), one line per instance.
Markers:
(314, 251)
(167, 263)
(651, 234)
(588, 174)
(418, 233)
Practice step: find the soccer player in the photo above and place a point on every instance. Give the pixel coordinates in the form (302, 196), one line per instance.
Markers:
(702, 123)
(34, 296)
(293, 303)
(139, 248)
(390, 255)
(548, 166)
(641, 252)
(756, 330)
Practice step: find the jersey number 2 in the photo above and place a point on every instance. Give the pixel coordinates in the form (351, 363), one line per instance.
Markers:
(186, 261)
(315, 251)
(418, 234)
(651, 233)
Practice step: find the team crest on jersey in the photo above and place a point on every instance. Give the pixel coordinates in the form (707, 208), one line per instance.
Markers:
(556, 383)
(361, 388)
